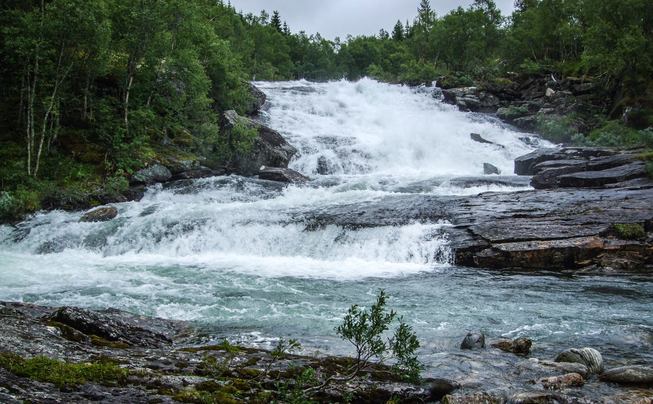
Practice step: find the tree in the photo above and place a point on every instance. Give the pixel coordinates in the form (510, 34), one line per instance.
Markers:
(275, 22)
(398, 31)
(425, 14)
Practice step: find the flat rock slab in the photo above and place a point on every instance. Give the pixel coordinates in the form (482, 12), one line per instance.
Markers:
(637, 375)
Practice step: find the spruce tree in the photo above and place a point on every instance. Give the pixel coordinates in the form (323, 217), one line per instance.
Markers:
(398, 31)
(286, 29)
(426, 15)
(275, 22)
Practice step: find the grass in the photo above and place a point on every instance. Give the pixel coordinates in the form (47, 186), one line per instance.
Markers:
(63, 374)
(630, 231)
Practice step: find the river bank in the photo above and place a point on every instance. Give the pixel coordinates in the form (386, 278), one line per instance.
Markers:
(140, 359)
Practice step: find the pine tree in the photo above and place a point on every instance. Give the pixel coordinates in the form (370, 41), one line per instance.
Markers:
(426, 15)
(275, 22)
(398, 31)
(286, 29)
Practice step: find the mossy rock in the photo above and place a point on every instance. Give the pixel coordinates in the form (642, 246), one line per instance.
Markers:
(629, 231)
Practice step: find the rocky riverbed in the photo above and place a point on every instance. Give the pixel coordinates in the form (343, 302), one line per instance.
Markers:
(69, 354)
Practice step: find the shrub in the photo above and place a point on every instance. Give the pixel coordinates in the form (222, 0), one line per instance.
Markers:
(630, 231)
(557, 128)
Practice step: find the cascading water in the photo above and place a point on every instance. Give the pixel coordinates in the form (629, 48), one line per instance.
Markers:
(239, 255)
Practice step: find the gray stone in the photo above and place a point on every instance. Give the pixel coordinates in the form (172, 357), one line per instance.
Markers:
(489, 169)
(257, 100)
(473, 341)
(282, 175)
(589, 357)
(519, 346)
(636, 375)
(269, 148)
(103, 214)
(152, 175)
(604, 177)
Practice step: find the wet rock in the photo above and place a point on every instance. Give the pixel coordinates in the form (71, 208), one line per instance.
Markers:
(473, 398)
(635, 375)
(103, 214)
(152, 175)
(442, 387)
(471, 99)
(525, 165)
(562, 382)
(519, 346)
(110, 326)
(562, 367)
(540, 398)
(269, 148)
(201, 172)
(282, 175)
(473, 341)
(489, 169)
(478, 138)
(257, 100)
(600, 178)
(550, 178)
(323, 166)
(589, 357)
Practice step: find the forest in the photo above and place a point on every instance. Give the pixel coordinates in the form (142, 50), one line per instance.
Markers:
(92, 90)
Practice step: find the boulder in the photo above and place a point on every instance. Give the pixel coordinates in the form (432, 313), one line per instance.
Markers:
(442, 387)
(473, 341)
(151, 175)
(111, 326)
(282, 175)
(257, 99)
(593, 179)
(540, 398)
(589, 357)
(562, 382)
(635, 375)
(471, 99)
(269, 148)
(201, 172)
(478, 138)
(473, 398)
(489, 169)
(519, 346)
(323, 166)
(103, 214)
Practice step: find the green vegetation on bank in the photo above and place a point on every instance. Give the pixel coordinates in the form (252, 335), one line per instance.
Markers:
(92, 90)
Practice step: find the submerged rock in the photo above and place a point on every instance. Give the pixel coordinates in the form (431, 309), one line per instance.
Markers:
(103, 214)
(589, 357)
(442, 387)
(519, 346)
(473, 341)
(282, 175)
(635, 375)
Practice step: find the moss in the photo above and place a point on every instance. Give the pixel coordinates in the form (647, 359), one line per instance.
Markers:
(68, 332)
(101, 342)
(630, 231)
(557, 128)
(205, 397)
(61, 373)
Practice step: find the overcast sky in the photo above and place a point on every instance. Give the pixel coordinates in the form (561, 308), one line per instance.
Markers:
(333, 18)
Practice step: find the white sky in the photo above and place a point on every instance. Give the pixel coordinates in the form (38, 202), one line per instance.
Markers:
(333, 18)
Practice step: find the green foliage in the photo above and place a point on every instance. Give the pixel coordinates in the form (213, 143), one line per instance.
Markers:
(365, 329)
(557, 128)
(63, 374)
(616, 134)
(630, 231)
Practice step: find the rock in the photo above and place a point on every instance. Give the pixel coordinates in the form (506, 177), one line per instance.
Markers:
(269, 149)
(103, 214)
(442, 387)
(471, 99)
(562, 382)
(607, 162)
(601, 178)
(540, 398)
(565, 367)
(257, 100)
(589, 357)
(323, 166)
(489, 169)
(152, 175)
(473, 398)
(519, 346)
(478, 138)
(549, 93)
(112, 327)
(525, 165)
(550, 178)
(473, 341)
(635, 375)
(282, 175)
(201, 172)
(513, 112)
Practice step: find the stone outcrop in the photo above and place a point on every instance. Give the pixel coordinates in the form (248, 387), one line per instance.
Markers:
(282, 175)
(257, 100)
(636, 375)
(268, 148)
(473, 99)
(152, 175)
